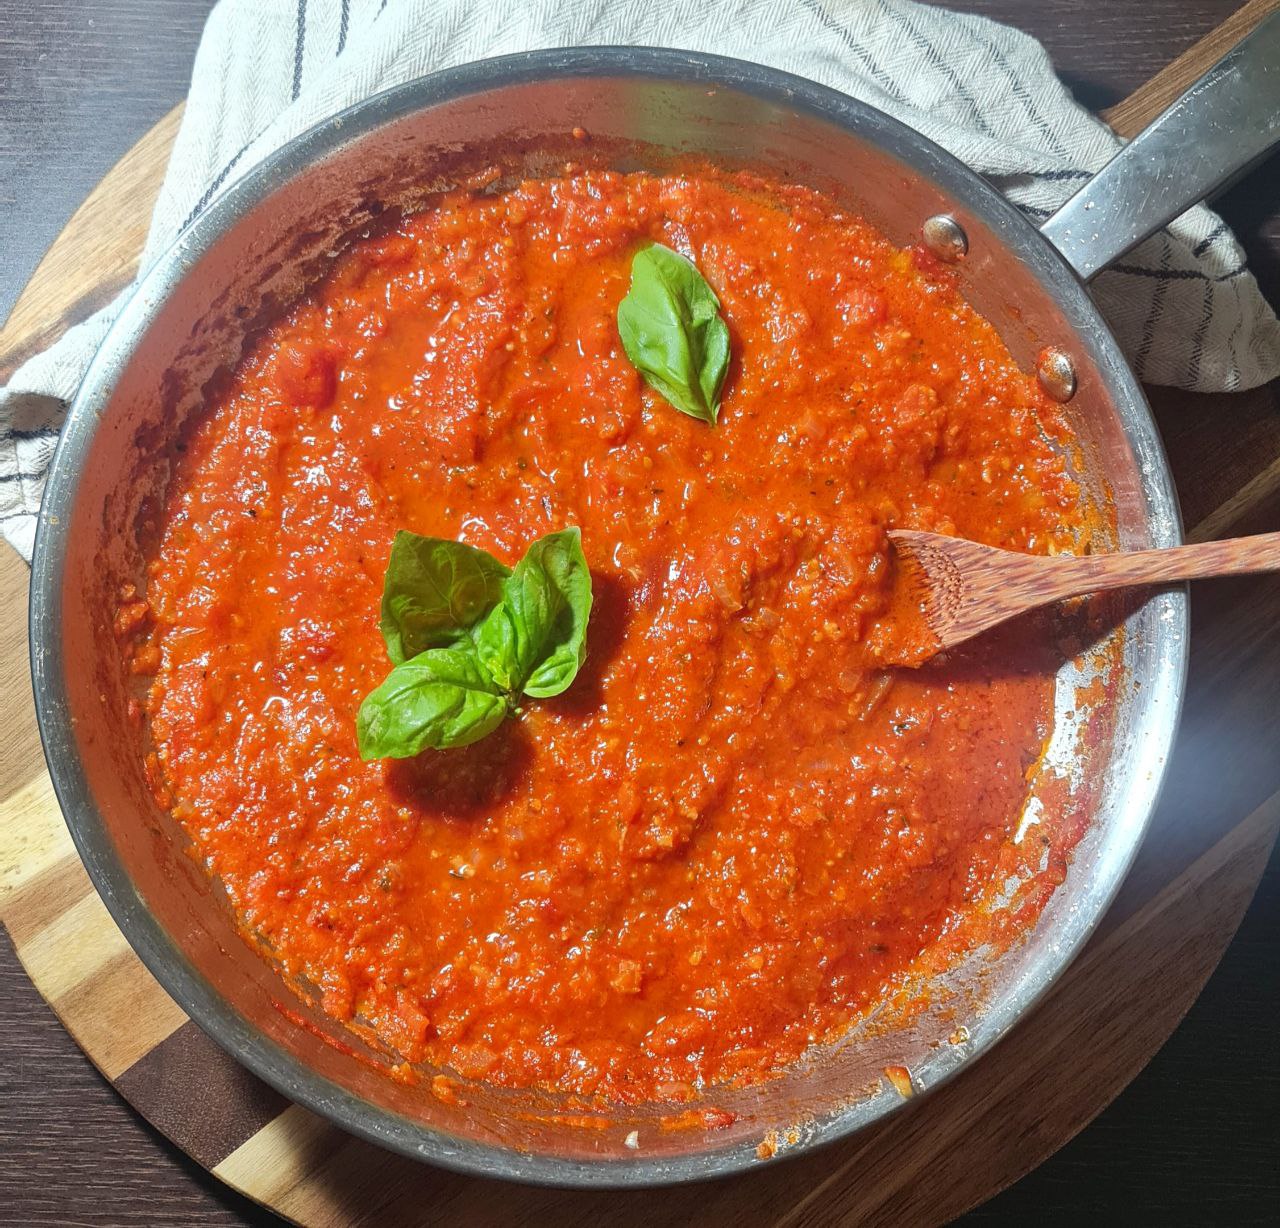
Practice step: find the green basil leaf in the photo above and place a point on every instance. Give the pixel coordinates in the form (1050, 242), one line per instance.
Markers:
(434, 592)
(439, 698)
(672, 331)
(535, 638)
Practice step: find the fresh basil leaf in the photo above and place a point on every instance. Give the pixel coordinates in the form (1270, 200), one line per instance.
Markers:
(535, 638)
(673, 333)
(434, 592)
(439, 698)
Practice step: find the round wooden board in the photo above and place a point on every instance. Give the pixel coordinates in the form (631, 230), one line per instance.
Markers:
(947, 1152)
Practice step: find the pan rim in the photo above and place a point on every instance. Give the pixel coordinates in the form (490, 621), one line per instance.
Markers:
(158, 951)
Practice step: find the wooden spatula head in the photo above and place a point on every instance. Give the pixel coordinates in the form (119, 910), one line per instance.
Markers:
(962, 588)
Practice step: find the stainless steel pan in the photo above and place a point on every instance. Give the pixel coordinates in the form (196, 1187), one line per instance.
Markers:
(261, 242)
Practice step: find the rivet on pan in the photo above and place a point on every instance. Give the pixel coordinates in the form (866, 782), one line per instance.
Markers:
(1057, 374)
(945, 237)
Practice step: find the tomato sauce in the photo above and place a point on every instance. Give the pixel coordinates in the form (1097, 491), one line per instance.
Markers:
(740, 828)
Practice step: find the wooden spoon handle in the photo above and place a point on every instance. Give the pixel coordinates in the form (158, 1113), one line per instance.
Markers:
(1235, 557)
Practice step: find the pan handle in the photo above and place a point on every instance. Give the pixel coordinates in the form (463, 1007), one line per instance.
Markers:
(1227, 120)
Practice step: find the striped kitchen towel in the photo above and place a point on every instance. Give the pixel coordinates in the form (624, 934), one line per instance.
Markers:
(1183, 305)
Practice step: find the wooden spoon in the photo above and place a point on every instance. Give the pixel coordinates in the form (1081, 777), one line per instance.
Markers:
(963, 588)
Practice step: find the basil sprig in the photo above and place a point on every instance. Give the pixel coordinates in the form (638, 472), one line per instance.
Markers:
(467, 637)
(672, 331)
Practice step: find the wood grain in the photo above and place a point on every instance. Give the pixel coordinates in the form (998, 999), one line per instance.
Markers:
(21, 759)
(1129, 117)
(45, 310)
(79, 84)
(1176, 913)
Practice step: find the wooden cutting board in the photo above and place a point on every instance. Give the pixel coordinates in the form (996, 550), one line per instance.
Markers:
(1109, 1013)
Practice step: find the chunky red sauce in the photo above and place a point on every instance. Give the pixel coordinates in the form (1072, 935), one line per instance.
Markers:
(738, 830)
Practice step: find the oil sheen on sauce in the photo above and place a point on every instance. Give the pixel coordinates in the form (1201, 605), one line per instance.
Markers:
(738, 830)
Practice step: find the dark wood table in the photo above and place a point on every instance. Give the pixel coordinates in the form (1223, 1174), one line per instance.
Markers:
(1195, 1138)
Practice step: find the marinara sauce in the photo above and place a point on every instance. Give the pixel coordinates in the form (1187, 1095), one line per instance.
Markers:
(739, 829)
